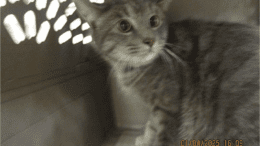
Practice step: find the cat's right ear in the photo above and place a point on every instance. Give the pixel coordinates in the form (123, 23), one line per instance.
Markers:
(90, 11)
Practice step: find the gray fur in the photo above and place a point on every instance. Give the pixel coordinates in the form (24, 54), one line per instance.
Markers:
(202, 78)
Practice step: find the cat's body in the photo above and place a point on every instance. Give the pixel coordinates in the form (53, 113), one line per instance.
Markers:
(214, 93)
(200, 78)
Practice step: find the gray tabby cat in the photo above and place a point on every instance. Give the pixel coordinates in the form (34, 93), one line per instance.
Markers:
(200, 78)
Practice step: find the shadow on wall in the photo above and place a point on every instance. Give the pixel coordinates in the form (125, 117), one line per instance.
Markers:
(51, 94)
(91, 114)
(72, 109)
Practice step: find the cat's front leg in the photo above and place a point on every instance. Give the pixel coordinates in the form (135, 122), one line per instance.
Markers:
(166, 125)
(148, 137)
(160, 130)
(159, 120)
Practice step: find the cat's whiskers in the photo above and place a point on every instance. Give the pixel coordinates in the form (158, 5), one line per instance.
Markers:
(172, 45)
(164, 59)
(112, 70)
(127, 64)
(139, 76)
(161, 53)
(167, 59)
(174, 56)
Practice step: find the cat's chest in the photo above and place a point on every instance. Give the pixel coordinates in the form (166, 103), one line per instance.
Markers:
(134, 78)
(122, 81)
(156, 86)
(126, 79)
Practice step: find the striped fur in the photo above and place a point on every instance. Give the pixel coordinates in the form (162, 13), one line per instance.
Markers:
(200, 78)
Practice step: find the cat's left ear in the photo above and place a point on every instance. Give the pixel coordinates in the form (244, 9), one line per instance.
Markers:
(164, 4)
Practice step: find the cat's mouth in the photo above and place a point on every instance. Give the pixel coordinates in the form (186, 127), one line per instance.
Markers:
(138, 56)
(135, 56)
(135, 60)
(141, 51)
(133, 51)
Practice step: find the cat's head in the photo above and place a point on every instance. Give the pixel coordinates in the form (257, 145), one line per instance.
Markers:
(127, 31)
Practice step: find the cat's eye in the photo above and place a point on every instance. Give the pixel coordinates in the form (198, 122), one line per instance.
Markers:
(154, 21)
(124, 26)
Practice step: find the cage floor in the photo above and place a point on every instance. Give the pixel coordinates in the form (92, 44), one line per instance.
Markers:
(122, 137)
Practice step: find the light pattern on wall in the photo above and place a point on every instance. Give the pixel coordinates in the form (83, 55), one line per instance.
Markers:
(2, 3)
(20, 34)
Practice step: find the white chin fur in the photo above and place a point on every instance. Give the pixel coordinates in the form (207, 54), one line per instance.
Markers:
(143, 60)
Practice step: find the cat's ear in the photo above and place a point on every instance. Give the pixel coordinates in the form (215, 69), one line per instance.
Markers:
(90, 11)
(164, 4)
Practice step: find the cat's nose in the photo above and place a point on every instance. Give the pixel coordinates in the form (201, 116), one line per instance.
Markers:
(149, 41)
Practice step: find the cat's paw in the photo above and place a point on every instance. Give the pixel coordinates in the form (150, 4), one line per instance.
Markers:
(139, 141)
(148, 137)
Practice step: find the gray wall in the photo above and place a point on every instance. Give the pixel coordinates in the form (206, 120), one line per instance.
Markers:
(242, 11)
